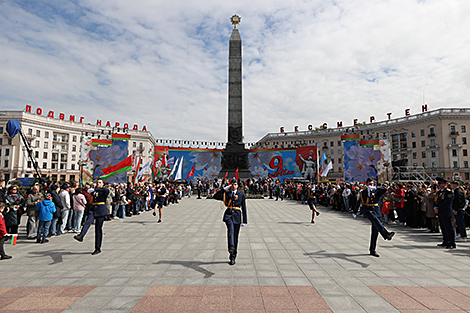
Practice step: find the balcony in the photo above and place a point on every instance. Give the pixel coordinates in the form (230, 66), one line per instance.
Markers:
(454, 146)
(432, 147)
(432, 135)
(454, 133)
(325, 147)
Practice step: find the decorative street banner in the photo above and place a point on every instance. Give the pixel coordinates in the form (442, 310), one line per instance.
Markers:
(206, 162)
(366, 159)
(104, 157)
(279, 164)
(87, 165)
(384, 164)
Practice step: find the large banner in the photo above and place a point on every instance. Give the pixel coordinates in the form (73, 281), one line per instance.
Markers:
(366, 161)
(279, 164)
(103, 157)
(207, 162)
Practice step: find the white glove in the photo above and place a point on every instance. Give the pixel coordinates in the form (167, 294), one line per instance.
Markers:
(243, 225)
(227, 187)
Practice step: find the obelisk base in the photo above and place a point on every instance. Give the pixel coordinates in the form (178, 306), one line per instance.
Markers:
(235, 156)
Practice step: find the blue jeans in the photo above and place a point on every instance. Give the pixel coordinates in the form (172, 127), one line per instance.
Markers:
(54, 226)
(45, 225)
(115, 209)
(78, 215)
(65, 217)
(460, 219)
(70, 219)
(122, 211)
(346, 203)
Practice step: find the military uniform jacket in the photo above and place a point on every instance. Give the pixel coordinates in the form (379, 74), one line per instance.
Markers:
(160, 194)
(443, 202)
(371, 200)
(99, 201)
(311, 193)
(236, 205)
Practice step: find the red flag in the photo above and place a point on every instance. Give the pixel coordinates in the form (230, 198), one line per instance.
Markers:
(192, 171)
(236, 174)
(225, 175)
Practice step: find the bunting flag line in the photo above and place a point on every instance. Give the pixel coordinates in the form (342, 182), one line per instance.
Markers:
(123, 166)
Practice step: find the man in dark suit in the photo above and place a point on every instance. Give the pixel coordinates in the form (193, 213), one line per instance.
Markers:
(234, 215)
(369, 200)
(98, 212)
(443, 208)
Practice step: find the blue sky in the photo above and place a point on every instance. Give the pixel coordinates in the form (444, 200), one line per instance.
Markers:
(164, 63)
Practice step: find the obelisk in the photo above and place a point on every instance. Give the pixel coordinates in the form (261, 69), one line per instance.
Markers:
(235, 155)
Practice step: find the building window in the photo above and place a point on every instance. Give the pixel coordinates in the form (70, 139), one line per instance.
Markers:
(36, 154)
(44, 155)
(453, 141)
(431, 131)
(38, 133)
(1, 141)
(30, 131)
(413, 144)
(134, 144)
(433, 154)
(333, 161)
(339, 160)
(332, 143)
(423, 154)
(432, 142)
(73, 157)
(422, 132)
(29, 164)
(339, 152)
(339, 143)
(9, 141)
(36, 143)
(73, 166)
(423, 143)
(74, 138)
(44, 165)
(464, 152)
(54, 146)
(454, 152)
(433, 164)
(46, 134)
(332, 152)
(464, 140)
(46, 144)
(72, 177)
(452, 129)
(63, 147)
(62, 166)
(7, 152)
(6, 163)
(463, 128)
(64, 138)
(53, 166)
(465, 164)
(467, 176)
(455, 164)
(1, 130)
(74, 148)
(415, 155)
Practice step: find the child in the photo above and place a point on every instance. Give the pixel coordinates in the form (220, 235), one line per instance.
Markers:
(46, 210)
(3, 234)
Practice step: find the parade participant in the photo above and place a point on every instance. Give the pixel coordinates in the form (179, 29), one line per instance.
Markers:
(97, 212)
(3, 234)
(234, 215)
(369, 198)
(443, 208)
(160, 199)
(311, 201)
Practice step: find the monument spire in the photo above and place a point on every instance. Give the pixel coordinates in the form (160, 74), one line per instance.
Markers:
(235, 156)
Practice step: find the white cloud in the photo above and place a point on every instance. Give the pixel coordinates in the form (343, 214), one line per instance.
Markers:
(164, 63)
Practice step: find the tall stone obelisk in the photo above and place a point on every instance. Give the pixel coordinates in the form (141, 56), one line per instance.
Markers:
(235, 155)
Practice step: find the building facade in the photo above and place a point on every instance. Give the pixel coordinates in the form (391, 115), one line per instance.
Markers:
(435, 141)
(56, 145)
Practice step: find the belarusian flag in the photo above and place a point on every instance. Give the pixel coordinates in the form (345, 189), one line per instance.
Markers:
(101, 142)
(372, 142)
(13, 239)
(121, 137)
(350, 137)
(123, 166)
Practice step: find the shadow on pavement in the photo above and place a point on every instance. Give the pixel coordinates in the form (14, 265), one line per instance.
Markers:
(195, 265)
(296, 223)
(342, 256)
(56, 255)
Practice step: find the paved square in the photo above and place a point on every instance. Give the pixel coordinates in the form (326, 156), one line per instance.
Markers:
(181, 265)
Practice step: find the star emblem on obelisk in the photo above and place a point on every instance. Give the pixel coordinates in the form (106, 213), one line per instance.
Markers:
(235, 20)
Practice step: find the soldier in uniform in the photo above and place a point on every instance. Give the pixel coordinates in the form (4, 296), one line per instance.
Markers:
(160, 200)
(234, 215)
(311, 201)
(97, 212)
(443, 208)
(369, 199)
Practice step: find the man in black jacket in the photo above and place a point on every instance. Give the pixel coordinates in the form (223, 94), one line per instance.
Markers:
(59, 207)
(458, 206)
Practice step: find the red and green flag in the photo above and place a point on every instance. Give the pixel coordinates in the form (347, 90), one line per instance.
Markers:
(13, 239)
(123, 166)
(101, 142)
(121, 137)
(372, 142)
(350, 137)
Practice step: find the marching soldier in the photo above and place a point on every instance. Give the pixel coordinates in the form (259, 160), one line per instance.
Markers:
(98, 212)
(443, 208)
(311, 201)
(234, 215)
(370, 199)
(160, 199)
